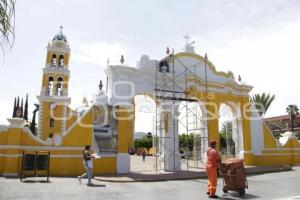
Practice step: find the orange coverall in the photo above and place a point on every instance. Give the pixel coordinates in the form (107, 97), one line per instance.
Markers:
(213, 158)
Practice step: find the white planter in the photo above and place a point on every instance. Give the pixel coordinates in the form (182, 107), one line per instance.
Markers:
(17, 122)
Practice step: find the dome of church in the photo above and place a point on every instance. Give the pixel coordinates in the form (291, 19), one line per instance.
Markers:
(60, 36)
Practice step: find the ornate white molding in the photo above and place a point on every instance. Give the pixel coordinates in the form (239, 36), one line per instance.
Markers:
(56, 70)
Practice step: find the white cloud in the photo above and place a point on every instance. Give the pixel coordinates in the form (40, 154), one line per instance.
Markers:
(130, 37)
(98, 52)
(266, 60)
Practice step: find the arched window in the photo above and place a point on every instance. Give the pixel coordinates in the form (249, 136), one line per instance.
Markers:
(51, 122)
(50, 85)
(59, 88)
(61, 60)
(50, 135)
(53, 60)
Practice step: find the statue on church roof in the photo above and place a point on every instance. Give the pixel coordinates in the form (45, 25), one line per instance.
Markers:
(100, 85)
(122, 59)
(168, 51)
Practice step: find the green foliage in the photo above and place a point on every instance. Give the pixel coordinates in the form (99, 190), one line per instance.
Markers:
(186, 141)
(15, 109)
(25, 116)
(226, 135)
(262, 102)
(277, 134)
(298, 135)
(145, 142)
(33, 127)
(7, 22)
(292, 109)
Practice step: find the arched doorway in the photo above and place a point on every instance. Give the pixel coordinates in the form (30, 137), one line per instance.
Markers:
(143, 134)
(192, 130)
(230, 130)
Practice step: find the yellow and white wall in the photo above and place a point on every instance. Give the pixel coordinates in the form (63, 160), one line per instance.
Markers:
(72, 133)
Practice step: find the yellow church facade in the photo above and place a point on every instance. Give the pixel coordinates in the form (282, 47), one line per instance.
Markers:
(108, 124)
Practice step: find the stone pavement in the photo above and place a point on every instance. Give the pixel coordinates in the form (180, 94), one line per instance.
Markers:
(270, 186)
(145, 172)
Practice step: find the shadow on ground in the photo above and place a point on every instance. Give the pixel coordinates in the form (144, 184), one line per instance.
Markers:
(96, 185)
(35, 181)
(235, 195)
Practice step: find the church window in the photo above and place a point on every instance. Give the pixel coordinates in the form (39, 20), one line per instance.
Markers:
(51, 123)
(59, 89)
(53, 60)
(50, 85)
(61, 60)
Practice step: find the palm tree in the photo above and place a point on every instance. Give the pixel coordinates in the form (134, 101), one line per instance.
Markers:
(262, 102)
(7, 23)
(292, 110)
(226, 140)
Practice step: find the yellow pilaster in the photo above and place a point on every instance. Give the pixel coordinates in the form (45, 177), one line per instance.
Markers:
(12, 162)
(125, 117)
(212, 122)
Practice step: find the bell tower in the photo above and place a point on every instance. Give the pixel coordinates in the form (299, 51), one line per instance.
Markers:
(53, 98)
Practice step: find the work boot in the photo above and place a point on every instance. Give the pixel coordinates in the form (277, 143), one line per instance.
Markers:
(213, 196)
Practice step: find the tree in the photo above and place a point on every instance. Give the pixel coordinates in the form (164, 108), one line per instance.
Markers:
(149, 135)
(186, 141)
(21, 109)
(145, 142)
(15, 108)
(262, 102)
(7, 23)
(226, 141)
(33, 124)
(18, 101)
(298, 135)
(292, 110)
(25, 116)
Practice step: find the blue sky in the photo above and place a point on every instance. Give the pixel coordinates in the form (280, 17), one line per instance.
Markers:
(258, 39)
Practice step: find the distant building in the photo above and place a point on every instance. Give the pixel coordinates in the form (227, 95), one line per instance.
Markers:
(282, 123)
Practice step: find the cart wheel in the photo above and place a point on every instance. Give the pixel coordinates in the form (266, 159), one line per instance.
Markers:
(225, 190)
(242, 192)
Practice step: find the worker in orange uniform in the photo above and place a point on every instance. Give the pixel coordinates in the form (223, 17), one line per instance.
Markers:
(213, 159)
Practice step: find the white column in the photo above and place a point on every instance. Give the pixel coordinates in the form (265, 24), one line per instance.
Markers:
(172, 160)
(123, 163)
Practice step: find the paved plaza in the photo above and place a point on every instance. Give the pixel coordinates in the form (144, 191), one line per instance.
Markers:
(151, 164)
(283, 185)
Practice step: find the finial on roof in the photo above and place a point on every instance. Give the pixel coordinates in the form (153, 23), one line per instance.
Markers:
(85, 101)
(168, 51)
(61, 27)
(240, 78)
(100, 85)
(122, 59)
(188, 44)
(186, 37)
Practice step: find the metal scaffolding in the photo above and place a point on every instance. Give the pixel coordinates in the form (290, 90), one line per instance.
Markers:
(173, 84)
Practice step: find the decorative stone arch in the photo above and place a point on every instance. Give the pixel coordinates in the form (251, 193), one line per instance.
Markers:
(237, 127)
(124, 82)
(202, 129)
(133, 103)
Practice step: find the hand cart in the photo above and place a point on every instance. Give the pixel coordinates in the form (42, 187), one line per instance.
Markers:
(234, 176)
